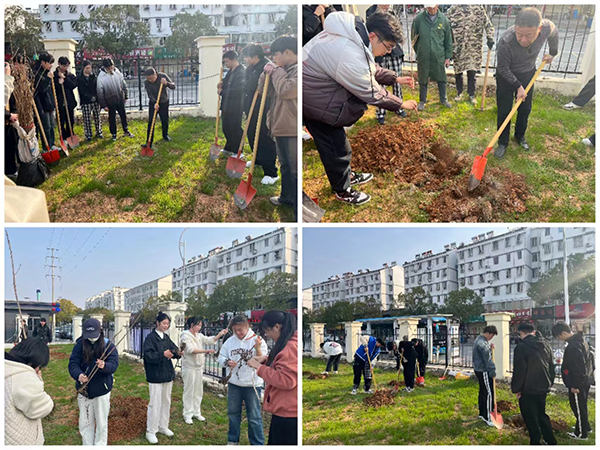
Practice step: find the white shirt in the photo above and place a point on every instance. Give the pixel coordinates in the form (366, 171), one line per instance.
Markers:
(234, 349)
(332, 348)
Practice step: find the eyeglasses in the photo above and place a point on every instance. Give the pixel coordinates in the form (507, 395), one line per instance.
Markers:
(389, 49)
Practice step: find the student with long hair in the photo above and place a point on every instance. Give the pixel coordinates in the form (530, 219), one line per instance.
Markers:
(158, 351)
(192, 366)
(93, 397)
(25, 401)
(280, 372)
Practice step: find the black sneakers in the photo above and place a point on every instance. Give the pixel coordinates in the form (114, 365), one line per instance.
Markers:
(523, 143)
(352, 197)
(500, 151)
(357, 178)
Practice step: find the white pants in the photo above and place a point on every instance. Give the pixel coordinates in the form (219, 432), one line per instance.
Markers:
(93, 419)
(159, 408)
(193, 389)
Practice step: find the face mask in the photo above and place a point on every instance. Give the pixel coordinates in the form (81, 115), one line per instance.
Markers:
(93, 341)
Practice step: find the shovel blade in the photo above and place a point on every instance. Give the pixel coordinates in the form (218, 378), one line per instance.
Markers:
(63, 147)
(147, 150)
(477, 172)
(235, 167)
(244, 193)
(311, 212)
(73, 141)
(215, 151)
(497, 420)
(421, 381)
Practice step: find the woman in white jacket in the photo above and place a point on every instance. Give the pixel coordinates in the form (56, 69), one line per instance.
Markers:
(192, 366)
(26, 403)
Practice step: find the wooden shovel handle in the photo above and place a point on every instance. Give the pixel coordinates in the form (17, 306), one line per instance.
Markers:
(517, 104)
(155, 112)
(247, 123)
(218, 107)
(485, 78)
(263, 100)
(37, 114)
(57, 108)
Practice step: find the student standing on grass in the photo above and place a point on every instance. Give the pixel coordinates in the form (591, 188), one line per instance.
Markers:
(586, 94)
(533, 376)
(42, 331)
(422, 355)
(152, 84)
(334, 352)
(25, 401)
(244, 385)
(392, 347)
(577, 372)
(340, 79)
(282, 118)
(485, 370)
(43, 96)
(361, 366)
(67, 80)
(280, 372)
(94, 399)
(112, 95)
(159, 351)
(266, 154)
(517, 51)
(86, 86)
(192, 367)
(409, 362)
(231, 90)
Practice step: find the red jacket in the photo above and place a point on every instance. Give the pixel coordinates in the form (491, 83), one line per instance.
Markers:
(281, 379)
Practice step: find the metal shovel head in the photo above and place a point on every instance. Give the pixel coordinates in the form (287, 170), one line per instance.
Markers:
(235, 167)
(215, 151)
(311, 212)
(63, 147)
(51, 156)
(73, 141)
(147, 150)
(477, 172)
(244, 193)
(421, 381)
(497, 419)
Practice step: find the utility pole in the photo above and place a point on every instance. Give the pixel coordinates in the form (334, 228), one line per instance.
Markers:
(52, 267)
(566, 277)
(182, 244)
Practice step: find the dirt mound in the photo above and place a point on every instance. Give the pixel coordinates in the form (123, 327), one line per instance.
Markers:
(397, 383)
(505, 406)
(560, 425)
(127, 418)
(318, 376)
(517, 421)
(55, 354)
(381, 397)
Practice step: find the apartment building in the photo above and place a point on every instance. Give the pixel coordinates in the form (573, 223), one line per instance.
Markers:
(113, 299)
(136, 297)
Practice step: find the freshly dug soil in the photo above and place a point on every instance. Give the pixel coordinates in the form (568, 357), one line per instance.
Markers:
(55, 354)
(505, 406)
(560, 425)
(517, 421)
(381, 397)
(396, 383)
(318, 376)
(127, 418)
(414, 156)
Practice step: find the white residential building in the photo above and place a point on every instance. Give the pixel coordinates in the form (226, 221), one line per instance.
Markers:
(113, 299)
(255, 257)
(435, 273)
(307, 298)
(136, 297)
(242, 23)
(384, 285)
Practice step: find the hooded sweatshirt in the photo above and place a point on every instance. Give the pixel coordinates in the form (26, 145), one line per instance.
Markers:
(533, 366)
(234, 349)
(578, 363)
(191, 361)
(281, 379)
(25, 404)
(482, 356)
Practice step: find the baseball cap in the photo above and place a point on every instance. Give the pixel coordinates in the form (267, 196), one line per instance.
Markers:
(91, 329)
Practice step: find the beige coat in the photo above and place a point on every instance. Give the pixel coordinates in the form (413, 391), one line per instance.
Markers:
(25, 404)
(282, 118)
(198, 342)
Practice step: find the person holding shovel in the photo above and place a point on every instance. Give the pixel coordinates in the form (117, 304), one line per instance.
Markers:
(533, 376)
(67, 83)
(159, 351)
(409, 362)
(43, 97)
(231, 90)
(112, 95)
(485, 371)
(152, 84)
(517, 52)
(93, 391)
(422, 356)
(192, 366)
(86, 86)
(364, 358)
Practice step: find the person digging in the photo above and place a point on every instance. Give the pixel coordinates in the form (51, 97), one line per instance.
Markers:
(152, 84)
(364, 358)
(409, 362)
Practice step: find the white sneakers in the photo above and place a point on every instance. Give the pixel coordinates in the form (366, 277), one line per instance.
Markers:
(151, 437)
(269, 180)
(570, 106)
(587, 142)
(166, 432)
(188, 420)
(353, 392)
(487, 422)
(200, 418)
(325, 373)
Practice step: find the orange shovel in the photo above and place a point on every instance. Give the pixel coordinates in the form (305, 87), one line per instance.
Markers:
(235, 165)
(147, 149)
(481, 161)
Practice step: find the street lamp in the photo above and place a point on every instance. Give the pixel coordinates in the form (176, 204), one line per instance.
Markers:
(182, 244)
(566, 277)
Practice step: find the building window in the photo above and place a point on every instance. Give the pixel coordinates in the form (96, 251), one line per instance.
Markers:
(470, 266)
(508, 273)
(277, 239)
(480, 248)
(271, 18)
(534, 242)
(560, 246)
(57, 9)
(444, 273)
(508, 257)
(48, 27)
(470, 281)
(496, 259)
(173, 7)
(520, 254)
(59, 27)
(481, 279)
(547, 249)
(509, 288)
(461, 255)
(159, 24)
(253, 261)
(482, 293)
(536, 273)
(444, 259)
(277, 255)
(578, 241)
(462, 281)
(519, 287)
(480, 264)
(520, 271)
(46, 9)
(445, 285)
(158, 7)
(462, 268)
(266, 242)
(507, 242)
(221, 271)
(238, 266)
(495, 245)
(73, 9)
(547, 232)
(496, 290)
(535, 256)
(519, 238)
(496, 275)
(470, 252)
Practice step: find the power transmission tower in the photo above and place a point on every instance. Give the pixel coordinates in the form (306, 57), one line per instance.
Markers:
(53, 276)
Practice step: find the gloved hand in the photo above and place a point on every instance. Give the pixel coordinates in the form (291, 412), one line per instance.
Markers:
(490, 43)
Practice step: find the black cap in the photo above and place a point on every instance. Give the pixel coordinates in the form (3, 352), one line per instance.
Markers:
(91, 329)
(107, 62)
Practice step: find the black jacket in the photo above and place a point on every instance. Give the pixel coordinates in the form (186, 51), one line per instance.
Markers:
(311, 24)
(232, 95)
(533, 366)
(70, 84)
(578, 363)
(159, 369)
(251, 78)
(407, 349)
(43, 332)
(42, 94)
(87, 88)
(102, 382)
(422, 354)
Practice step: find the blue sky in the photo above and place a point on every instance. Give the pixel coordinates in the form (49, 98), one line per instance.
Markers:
(123, 257)
(333, 251)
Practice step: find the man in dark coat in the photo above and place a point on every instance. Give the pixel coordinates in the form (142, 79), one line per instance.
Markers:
(67, 83)
(432, 41)
(231, 90)
(152, 84)
(422, 356)
(43, 96)
(11, 137)
(578, 375)
(408, 355)
(533, 375)
(312, 19)
(42, 331)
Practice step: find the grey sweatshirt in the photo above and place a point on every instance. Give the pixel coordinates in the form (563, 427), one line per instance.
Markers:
(482, 356)
(515, 59)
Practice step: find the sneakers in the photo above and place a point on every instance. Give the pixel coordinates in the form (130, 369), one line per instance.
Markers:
(54, 147)
(269, 180)
(227, 154)
(277, 202)
(306, 137)
(100, 136)
(167, 138)
(248, 164)
(577, 437)
(353, 392)
(458, 98)
(357, 178)
(352, 197)
(421, 106)
(587, 142)
(129, 134)
(335, 372)
(88, 139)
(188, 420)
(166, 432)
(500, 151)
(381, 120)
(114, 137)
(151, 438)
(200, 417)
(523, 143)
(472, 99)
(325, 373)
(408, 389)
(446, 104)
(402, 113)
(487, 422)
(571, 106)
(370, 391)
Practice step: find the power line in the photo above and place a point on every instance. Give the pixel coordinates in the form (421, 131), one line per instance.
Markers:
(72, 242)
(82, 245)
(60, 237)
(90, 252)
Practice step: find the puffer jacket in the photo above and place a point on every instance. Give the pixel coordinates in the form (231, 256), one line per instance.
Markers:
(340, 76)
(111, 88)
(578, 363)
(251, 80)
(25, 405)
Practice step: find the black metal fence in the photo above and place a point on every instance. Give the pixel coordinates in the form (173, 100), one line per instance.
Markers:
(573, 22)
(137, 335)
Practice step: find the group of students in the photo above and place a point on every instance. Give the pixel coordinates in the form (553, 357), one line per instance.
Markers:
(251, 368)
(278, 128)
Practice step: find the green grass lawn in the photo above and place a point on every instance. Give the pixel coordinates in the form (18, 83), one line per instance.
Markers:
(106, 181)
(61, 426)
(442, 413)
(559, 170)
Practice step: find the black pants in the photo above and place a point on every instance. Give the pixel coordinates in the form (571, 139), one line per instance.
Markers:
(580, 410)
(335, 152)
(361, 368)
(533, 410)
(287, 151)
(333, 361)
(283, 431)
(112, 118)
(163, 112)
(470, 82)
(232, 129)
(11, 140)
(505, 94)
(422, 368)
(586, 94)
(486, 394)
(592, 139)
(65, 130)
(409, 373)
(266, 155)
